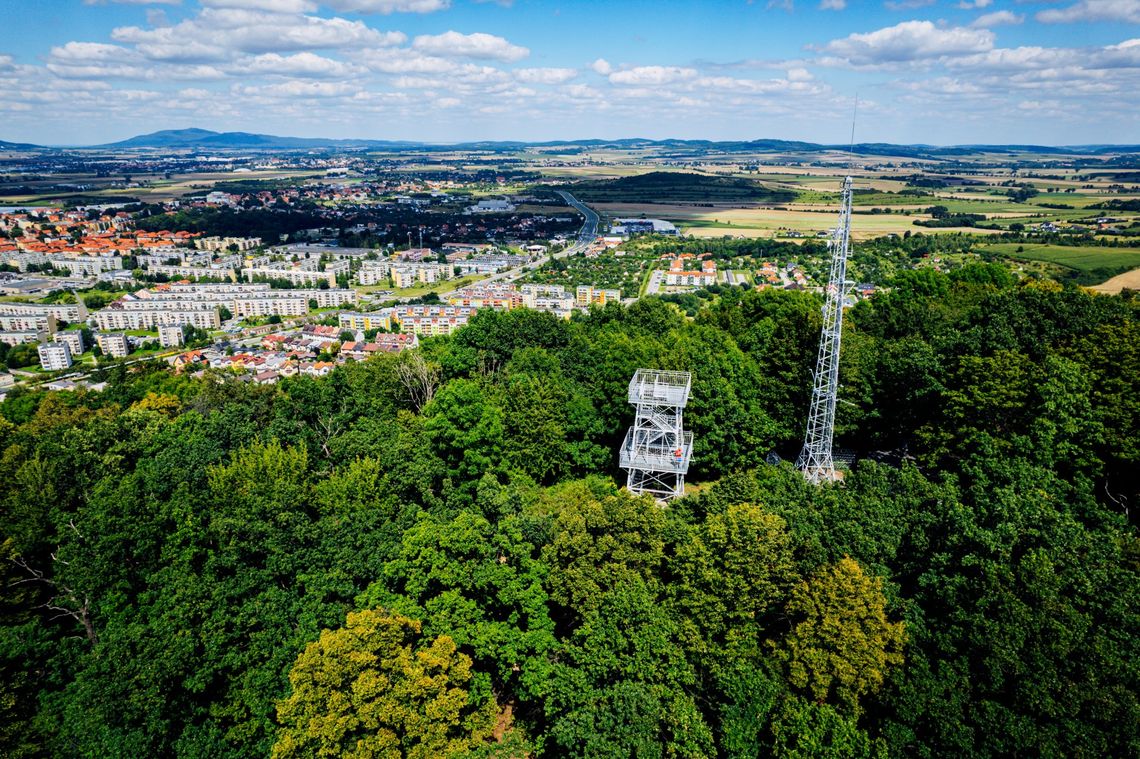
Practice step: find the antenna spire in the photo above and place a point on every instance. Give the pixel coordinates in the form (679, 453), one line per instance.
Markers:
(815, 460)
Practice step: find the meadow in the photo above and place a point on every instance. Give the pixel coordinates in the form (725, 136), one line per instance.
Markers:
(1091, 261)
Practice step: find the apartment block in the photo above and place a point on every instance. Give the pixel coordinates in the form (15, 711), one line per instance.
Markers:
(73, 339)
(587, 295)
(410, 275)
(68, 312)
(55, 356)
(42, 322)
(294, 276)
(113, 344)
(191, 272)
(361, 322)
(19, 338)
(86, 266)
(170, 336)
(119, 319)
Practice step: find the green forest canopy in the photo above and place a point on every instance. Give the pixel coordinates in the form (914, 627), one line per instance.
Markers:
(426, 554)
(679, 186)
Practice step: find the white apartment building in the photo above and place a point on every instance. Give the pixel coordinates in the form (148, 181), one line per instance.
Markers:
(192, 272)
(372, 276)
(116, 318)
(332, 298)
(19, 338)
(68, 312)
(55, 356)
(261, 306)
(86, 266)
(113, 345)
(294, 276)
(223, 243)
(409, 275)
(336, 268)
(73, 338)
(241, 299)
(43, 322)
(170, 336)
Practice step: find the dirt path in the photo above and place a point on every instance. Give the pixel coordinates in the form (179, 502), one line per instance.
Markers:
(1129, 279)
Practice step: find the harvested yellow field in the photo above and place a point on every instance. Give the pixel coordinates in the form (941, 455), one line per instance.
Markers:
(703, 221)
(1129, 280)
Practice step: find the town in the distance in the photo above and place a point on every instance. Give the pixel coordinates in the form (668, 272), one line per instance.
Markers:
(264, 263)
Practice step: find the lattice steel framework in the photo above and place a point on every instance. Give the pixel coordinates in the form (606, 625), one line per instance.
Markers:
(657, 450)
(815, 459)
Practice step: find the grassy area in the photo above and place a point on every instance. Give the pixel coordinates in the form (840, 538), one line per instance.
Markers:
(1092, 263)
(441, 287)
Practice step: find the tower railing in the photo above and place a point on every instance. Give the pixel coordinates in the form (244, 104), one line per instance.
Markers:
(657, 450)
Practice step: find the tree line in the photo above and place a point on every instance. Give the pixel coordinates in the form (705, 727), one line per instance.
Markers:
(429, 554)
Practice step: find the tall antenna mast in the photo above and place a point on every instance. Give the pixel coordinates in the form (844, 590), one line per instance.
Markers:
(815, 459)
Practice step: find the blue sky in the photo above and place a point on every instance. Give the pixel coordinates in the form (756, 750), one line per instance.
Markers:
(931, 71)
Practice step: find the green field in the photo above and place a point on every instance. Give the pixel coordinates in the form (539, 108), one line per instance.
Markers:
(1086, 260)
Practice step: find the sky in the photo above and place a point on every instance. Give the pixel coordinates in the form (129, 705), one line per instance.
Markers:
(942, 72)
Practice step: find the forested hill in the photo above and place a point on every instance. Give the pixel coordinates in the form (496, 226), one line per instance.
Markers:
(427, 555)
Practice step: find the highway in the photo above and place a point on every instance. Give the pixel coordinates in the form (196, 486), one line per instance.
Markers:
(589, 229)
(586, 235)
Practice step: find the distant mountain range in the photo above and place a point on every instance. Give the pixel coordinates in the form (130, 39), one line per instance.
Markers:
(204, 139)
(18, 146)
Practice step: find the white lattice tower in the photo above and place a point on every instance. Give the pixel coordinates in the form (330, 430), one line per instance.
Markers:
(815, 459)
(657, 449)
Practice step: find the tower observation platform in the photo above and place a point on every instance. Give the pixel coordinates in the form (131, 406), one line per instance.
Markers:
(657, 449)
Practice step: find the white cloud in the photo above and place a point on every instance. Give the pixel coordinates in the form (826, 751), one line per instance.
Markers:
(997, 18)
(301, 89)
(133, 2)
(968, 5)
(640, 76)
(268, 6)
(477, 45)
(388, 6)
(403, 61)
(1127, 11)
(545, 75)
(300, 65)
(93, 60)
(832, 5)
(602, 66)
(906, 5)
(217, 33)
(909, 41)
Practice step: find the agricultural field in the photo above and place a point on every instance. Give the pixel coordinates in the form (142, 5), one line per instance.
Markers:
(702, 205)
(734, 221)
(1089, 264)
(1129, 280)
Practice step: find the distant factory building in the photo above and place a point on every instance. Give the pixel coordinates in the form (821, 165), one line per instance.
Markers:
(631, 227)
